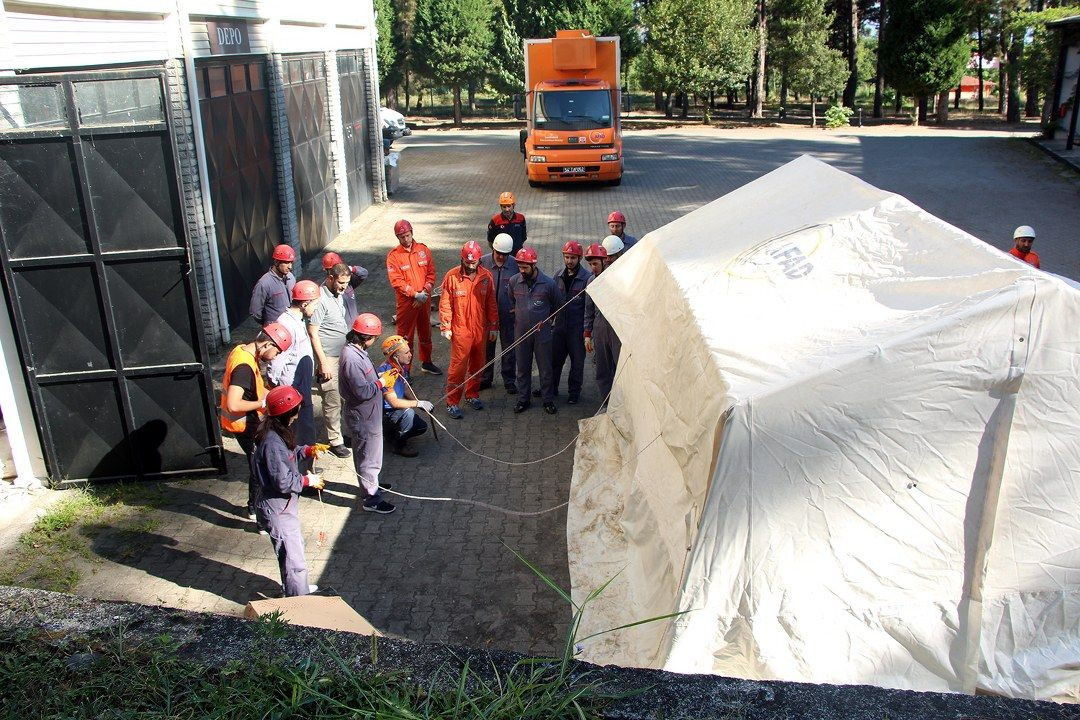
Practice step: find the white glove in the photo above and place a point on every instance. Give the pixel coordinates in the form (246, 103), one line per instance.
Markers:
(421, 297)
(425, 405)
(448, 334)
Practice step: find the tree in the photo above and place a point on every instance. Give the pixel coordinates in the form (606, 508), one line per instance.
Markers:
(1040, 53)
(694, 46)
(452, 42)
(925, 47)
(762, 41)
(798, 35)
(385, 52)
(811, 66)
(851, 51)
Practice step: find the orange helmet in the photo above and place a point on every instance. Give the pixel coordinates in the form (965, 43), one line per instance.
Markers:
(392, 344)
(305, 290)
(572, 247)
(507, 198)
(279, 335)
(616, 216)
(367, 324)
(284, 253)
(401, 227)
(596, 250)
(281, 400)
(526, 255)
(331, 259)
(471, 251)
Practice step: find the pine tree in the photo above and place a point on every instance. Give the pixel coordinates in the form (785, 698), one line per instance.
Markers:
(385, 52)
(452, 42)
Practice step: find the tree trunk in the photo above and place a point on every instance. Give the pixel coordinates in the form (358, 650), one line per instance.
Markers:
(406, 91)
(979, 40)
(1031, 108)
(712, 99)
(921, 113)
(1003, 77)
(685, 104)
(956, 97)
(813, 111)
(759, 76)
(783, 90)
(852, 54)
(732, 98)
(658, 99)
(457, 104)
(879, 77)
(942, 107)
(472, 96)
(898, 104)
(667, 104)
(1012, 111)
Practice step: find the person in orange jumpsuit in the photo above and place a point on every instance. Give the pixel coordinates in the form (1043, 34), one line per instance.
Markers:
(469, 319)
(411, 271)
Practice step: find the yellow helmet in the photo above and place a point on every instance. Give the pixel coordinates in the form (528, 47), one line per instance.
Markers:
(392, 344)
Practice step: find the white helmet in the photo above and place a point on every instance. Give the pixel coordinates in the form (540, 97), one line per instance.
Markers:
(503, 243)
(1024, 231)
(613, 244)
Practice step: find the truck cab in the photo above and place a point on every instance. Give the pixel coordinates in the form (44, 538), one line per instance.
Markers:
(572, 106)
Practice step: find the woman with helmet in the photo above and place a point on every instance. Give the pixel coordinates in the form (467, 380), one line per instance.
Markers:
(271, 294)
(362, 396)
(469, 319)
(296, 367)
(244, 395)
(279, 481)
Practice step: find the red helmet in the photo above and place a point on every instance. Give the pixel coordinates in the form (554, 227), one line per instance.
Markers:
(284, 253)
(573, 247)
(616, 216)
(401, 227)
(281, 400)
(596, 250)
(331, 259)
(526, 255)
(367, 324)
(471, 251)
(279, 334)
(305, 290)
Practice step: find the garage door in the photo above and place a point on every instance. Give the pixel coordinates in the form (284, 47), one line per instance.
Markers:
(309, 132)
(235, 107)
(354, 118)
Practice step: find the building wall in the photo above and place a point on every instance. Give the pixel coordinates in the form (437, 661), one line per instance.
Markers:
(1068, 86)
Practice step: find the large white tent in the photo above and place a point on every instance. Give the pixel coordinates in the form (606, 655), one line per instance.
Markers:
(845, 439)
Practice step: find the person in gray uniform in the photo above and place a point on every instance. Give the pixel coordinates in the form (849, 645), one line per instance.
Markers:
(502, 266)
(273, 292)
(279, 482)
(569, 325)
(600, 338)
(533, 294)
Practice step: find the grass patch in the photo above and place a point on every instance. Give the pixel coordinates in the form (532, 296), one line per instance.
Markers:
(47, 556)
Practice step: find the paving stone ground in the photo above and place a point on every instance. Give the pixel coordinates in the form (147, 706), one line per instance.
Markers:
(444, 571)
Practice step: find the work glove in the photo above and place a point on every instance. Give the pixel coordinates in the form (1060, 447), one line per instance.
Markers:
(425, 405)
(588, 345)
(314, 451)
(493, 335)
(421, 297)
(312, 480)
(448, 334)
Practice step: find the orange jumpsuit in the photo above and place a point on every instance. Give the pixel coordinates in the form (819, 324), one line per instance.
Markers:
(412, 271)
(467, 308)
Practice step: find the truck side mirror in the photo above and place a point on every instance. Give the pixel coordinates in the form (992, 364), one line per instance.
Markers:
(519, 107)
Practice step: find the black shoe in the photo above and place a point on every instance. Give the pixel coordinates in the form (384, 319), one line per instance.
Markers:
(511, 388)
(430, 368)
(572, 400)
(522, 406)
(403, 450)
(550, 408)
(340, 450)
(382, 507)
(536, 392)
(485, 384)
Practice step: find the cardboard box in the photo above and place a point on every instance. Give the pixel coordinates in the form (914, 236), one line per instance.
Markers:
(322, 611)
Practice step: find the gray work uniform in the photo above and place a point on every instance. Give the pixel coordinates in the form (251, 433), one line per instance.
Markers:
(333, 316)
(279, 483)
(361, 420)
(628, 241)
(271, 297)
(533, 304)
(606, 346)
(567, 330)
(507, 364)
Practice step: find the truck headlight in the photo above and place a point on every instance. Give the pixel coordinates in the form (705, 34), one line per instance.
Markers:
(537, 158)
(609, 157)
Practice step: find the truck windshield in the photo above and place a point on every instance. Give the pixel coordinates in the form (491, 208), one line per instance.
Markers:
(572, 109)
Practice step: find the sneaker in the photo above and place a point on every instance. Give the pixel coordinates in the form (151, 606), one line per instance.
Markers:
(430, 368)
(382, 507)
(536, 392)
(403, 450)
(454, 411)
(511, 388)
(340, 450)
(550, 408)
(263, 531)
(250, 513)
(522, 406)
(572, 400)
(474, 403)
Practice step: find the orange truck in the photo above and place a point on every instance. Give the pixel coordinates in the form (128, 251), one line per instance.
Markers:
(572, 105)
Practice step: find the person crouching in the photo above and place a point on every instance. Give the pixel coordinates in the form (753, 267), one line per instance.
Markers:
(277, 470)
(400, 419)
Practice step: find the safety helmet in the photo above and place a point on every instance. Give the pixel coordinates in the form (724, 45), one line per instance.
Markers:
(613, 244)
(1024, 231)
(507, 198)
(616, 216)
(471, 251)
(281, 400)
(596, 250)
(503, 243)
(572, 247)
(526, 255)
(392, 344)
(331, 259)
(401, 227)
(284, 253)
(279, 334)
(305, 290)
(367, 324)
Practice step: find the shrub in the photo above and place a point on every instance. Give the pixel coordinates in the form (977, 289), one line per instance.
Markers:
(838, 116)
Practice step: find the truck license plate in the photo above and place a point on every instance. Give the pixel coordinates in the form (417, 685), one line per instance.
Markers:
(574, 170)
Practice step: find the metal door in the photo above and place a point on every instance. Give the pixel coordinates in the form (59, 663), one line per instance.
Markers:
(354, 118)
(309, 133)
(97, 277)
(235, 107)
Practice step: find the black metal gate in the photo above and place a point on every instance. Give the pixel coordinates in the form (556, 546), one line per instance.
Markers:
(309, 132)
(235, 107)
(354, 118)
(98, 279)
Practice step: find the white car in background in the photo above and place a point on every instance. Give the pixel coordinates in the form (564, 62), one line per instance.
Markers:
(395, 121)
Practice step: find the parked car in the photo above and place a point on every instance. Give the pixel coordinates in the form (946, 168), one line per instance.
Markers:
(395, 121)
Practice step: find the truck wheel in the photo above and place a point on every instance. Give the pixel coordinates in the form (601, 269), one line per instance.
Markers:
(534, 183)
(615, 182)
(522, 134)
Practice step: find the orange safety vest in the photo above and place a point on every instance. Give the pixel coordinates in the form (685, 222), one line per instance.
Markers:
(236, 423)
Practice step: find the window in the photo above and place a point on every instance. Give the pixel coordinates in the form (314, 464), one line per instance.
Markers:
(572, 109)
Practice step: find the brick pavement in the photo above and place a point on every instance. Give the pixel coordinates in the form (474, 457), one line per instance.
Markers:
(443, 571)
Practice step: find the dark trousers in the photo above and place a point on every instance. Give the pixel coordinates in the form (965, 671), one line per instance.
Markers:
(532, 348)
(565, 345)
(507, 363)
(247, 444)
(400, 425)
(304, 427)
